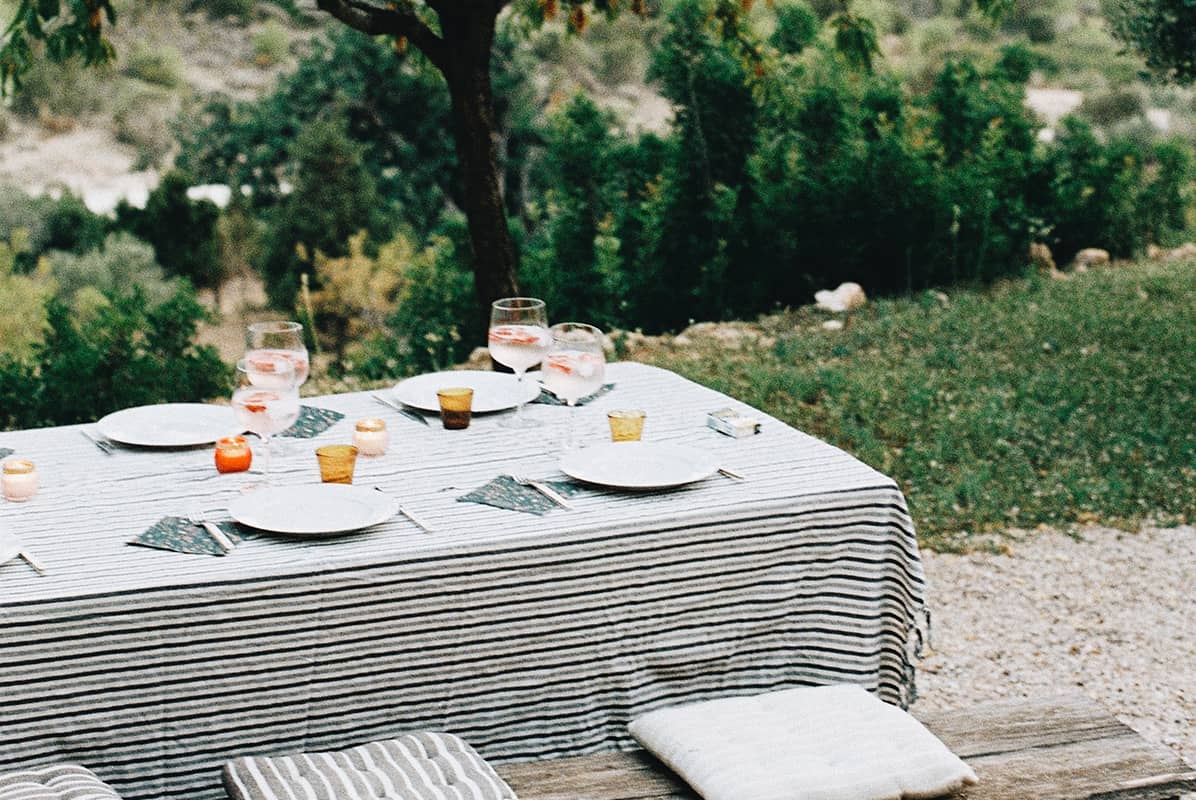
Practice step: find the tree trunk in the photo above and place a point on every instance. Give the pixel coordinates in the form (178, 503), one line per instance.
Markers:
(470, 33)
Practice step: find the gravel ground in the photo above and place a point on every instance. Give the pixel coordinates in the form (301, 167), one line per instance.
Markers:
(1111, 615)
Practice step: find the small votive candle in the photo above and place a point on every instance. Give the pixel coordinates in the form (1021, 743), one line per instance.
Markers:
(370, 437)
(233, 454)
(19, 480)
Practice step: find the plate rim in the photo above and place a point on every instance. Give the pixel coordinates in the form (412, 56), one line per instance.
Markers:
(710, 465)
(103, 425)
(532, 389)
(391, 507)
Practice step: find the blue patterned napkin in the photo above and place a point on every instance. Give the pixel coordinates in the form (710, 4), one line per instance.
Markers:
(549, 399)
(312, 422)
(181, 535)
(504, 492)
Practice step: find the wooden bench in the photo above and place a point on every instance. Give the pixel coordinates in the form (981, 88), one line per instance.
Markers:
(1059, 749)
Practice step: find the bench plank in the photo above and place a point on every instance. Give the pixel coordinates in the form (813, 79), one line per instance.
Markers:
(1064, 748)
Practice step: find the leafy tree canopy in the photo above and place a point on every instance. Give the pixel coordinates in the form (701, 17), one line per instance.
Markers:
(1162, 31)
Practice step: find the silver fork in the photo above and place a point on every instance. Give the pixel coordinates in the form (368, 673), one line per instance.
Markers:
(544, 489)
(106, 447)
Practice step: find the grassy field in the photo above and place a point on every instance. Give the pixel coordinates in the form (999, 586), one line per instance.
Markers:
(1037, 402)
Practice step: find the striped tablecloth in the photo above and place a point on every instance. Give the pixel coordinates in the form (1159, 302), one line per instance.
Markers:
(527, 636)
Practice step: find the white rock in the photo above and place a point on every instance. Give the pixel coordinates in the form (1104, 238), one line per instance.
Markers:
(833, 325)
(1090, 257)
(847, 297)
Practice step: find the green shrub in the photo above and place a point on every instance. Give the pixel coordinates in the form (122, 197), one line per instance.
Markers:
(160, 65)
(1120, 196)
(141, 118)
(797, 27)
(23, 298)
(334, 197)
(435, 323)
(181, 231)
(130, 352)
(1113, 106)
(71, 226)
(271, 45)
(66, 89)
(240, 10)
(121, 263)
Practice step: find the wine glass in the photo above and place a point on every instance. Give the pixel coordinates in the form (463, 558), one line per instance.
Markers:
(575, 365)
(266, 400)
(518, 338)
(279, 338)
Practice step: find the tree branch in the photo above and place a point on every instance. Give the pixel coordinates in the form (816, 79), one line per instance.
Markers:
(398, 19)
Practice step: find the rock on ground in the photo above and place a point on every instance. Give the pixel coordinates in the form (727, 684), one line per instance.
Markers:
(1111, 615)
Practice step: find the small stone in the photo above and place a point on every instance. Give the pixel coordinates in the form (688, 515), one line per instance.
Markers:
(1090, 257)
(833, 325)
(847, 297)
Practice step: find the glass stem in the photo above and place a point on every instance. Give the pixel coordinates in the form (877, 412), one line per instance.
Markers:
(265, 457)
(519, 384)
(569, 434)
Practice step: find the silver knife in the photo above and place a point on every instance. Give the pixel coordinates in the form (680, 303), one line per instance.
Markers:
(550, 493)
(406, 412)
(226, 544)
(38, 566)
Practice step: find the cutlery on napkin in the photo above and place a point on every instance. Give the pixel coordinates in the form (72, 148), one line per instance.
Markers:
(544, 489)
(181, 535)
(507, 493)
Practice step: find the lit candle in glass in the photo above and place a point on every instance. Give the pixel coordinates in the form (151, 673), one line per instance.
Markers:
(19, 480)
(233, 454)
(371, 437)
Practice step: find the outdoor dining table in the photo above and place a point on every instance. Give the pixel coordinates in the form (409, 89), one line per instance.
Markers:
(527, 635)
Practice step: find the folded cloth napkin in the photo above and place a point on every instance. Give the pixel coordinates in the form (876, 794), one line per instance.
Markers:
(184, 536)
(55, 782)
(549, 399)
(505, 492)
(824, 743)
(415, 766)
(312, 422)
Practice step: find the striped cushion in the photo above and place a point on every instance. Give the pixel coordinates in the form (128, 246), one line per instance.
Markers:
(416, 766)
(826, 743)
(55, 782)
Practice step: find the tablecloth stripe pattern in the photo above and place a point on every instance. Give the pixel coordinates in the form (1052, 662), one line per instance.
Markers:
(528, 636)
(55, 782)
(418, 766)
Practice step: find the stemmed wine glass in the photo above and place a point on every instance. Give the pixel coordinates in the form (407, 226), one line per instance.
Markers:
(266, 399)
(518, 338)
(282, 339)
(575, 365)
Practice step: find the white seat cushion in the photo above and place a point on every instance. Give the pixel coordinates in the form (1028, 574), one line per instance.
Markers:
(825, 743)
(416, 766)
(55, 782)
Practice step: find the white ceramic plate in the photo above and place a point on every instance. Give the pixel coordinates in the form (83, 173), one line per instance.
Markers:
(313, 509)
(492, 391)
(169, 425)
(639, 465)
(10, 548)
